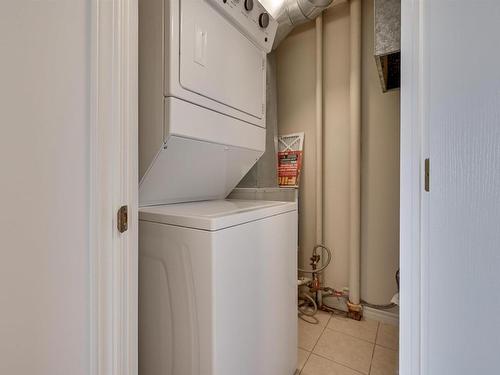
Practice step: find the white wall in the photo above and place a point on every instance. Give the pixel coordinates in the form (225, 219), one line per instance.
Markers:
(380, 150)
(44, 145)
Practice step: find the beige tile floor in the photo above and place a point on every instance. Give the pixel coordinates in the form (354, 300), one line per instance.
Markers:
(340, 346)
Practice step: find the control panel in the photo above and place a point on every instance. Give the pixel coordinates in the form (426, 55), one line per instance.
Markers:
(251, 18)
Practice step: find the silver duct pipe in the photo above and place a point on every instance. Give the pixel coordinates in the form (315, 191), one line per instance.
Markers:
(290, 13)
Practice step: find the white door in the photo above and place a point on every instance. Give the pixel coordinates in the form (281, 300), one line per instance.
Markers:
(67, 279)
(456, 78)
(44, 187)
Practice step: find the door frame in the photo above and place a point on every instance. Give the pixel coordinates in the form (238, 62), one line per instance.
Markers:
(413, 202)
(114, 175)
(113, 169)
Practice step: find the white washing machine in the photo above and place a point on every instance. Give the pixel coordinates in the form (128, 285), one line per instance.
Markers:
(218, 288)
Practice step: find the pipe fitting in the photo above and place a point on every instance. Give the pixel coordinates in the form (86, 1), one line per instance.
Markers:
(355, 310)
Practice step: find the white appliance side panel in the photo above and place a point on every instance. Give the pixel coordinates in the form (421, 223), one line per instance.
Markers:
(218, 61)
(256, 297)
(175, 311)
(188, 170)
(151, 81)
(191, 121)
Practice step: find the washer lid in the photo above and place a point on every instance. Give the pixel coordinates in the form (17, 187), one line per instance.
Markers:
(214, 215)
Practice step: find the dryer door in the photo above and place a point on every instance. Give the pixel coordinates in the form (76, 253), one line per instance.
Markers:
(218, 62)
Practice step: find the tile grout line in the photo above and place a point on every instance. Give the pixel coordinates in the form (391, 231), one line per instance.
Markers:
(355, 337)
(386, 347)
(316, 343)
(338, 363)
(334, 361)
(346, 334)
(383, 346)
(321, 334)
(323, 330)
(373, 351)
(305, 363)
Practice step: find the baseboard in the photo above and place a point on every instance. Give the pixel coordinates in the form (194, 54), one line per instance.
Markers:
(384, 316)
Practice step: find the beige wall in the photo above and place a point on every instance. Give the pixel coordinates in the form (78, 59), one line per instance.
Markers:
(380, 159)
(380, 177)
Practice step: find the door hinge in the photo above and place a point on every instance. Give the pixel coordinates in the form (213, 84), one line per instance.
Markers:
(122, 219)
(427, 174)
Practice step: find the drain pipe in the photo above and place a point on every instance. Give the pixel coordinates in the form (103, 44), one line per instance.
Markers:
(354, 304)
(319, 141)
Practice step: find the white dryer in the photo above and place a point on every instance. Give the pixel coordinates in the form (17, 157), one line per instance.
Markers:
(218, 288)
(202, 96)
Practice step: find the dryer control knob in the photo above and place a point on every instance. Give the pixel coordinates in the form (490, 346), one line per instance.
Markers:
(248, 5)
(264, 20)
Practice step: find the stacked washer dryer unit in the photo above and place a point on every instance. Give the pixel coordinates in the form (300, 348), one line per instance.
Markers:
(217, 278)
